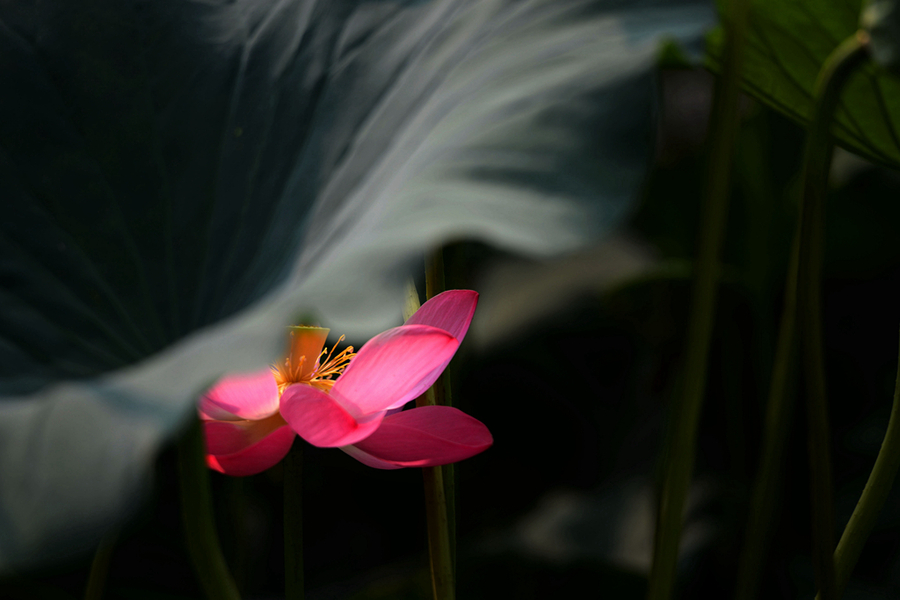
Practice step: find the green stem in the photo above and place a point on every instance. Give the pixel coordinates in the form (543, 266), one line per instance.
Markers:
(834, 74)
(441, 534)
(777, 424)
(293, 523)
(435, 283)
(443, 580)
(100, 568)
(678, 460)
(197, 516)
(874, 495)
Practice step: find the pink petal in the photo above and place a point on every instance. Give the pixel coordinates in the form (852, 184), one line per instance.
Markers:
(393, 365)
(322, 420)
(425, 437)
(451, 311)
(257, 458)
(228, 437)
(248, 396)
(420, 388)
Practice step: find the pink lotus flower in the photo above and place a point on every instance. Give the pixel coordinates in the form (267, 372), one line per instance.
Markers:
(250, 420)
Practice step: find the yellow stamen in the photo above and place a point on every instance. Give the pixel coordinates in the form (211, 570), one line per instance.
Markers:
(326, 369)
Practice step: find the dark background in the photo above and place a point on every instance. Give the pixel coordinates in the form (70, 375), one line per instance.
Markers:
(576, 400)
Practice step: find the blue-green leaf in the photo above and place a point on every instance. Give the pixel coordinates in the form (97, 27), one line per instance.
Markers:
(181, 179)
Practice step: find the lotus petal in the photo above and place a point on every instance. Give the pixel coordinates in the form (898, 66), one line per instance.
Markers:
(451, 311)
(394, 364)
(425, 437)
(254, 459)
(321, 420)
(252, 396)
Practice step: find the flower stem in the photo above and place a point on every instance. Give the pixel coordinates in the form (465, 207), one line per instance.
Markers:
(100, 568)
(438, 507)
(435, 283)
(293, 523)
(197, 515)
(443, 579)
(678, 457)
(443, 582)
(835, 73)
(872, 499)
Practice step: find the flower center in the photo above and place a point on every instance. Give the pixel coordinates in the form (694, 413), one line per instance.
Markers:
(327, 368)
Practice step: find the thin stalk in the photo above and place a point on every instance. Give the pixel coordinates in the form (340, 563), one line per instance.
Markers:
(873, 497)
(777, 424)
(100, 568)
(678, 460)
(435, 283)
(819, 148)
(443, 582)
(293, 523)
(197, 516)
(441, 537)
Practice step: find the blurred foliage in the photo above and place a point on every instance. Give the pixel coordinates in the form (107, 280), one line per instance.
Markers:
(788, 42)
